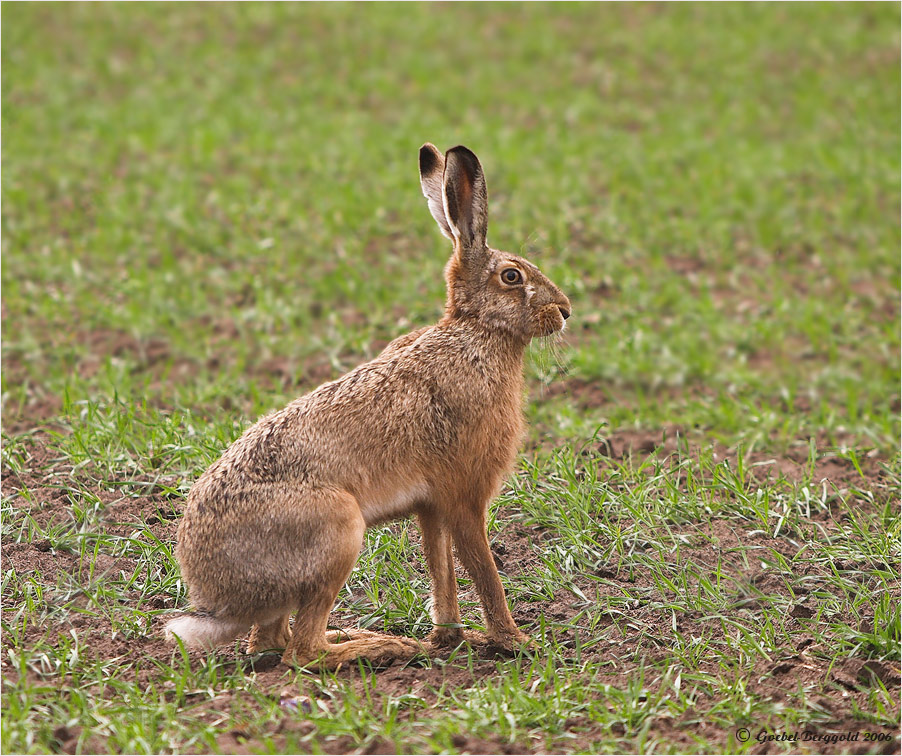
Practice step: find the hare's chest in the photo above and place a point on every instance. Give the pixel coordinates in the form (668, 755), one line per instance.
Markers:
(382, 504)
(492, 443)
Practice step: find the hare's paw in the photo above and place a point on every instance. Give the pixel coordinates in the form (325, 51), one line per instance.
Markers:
(405, 647)
(340, 636)
(389, 648)
(446, 637)
(382, 645)
(510, 643)
(485, 645)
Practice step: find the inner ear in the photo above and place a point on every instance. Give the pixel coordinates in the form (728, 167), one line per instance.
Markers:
(432, 168)
(466, 199)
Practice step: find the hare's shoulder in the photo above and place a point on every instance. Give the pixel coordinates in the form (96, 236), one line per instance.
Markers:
(403, 341)
(436, 357)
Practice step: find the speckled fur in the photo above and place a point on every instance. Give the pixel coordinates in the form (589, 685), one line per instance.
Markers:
(429, 428)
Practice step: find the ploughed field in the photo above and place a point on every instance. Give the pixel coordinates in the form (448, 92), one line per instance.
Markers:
(208, 211)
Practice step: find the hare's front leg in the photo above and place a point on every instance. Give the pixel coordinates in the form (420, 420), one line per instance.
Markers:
(473, 548)
(440, 561)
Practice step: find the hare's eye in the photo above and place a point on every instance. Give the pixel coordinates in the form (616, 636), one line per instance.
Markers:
(511, 276)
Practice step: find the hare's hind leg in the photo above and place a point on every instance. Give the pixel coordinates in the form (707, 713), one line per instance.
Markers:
(340, 636)
(335, 515)
(379, 649)
(346, 645)
(311, 646)
(275, 634)
(341, 524)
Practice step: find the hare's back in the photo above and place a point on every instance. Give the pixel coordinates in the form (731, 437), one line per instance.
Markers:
(397, 416)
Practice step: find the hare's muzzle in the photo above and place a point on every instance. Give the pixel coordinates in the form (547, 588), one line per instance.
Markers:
(551, 318)
(563, 306)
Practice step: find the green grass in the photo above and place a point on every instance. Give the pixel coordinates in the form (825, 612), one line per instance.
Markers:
(208, 210)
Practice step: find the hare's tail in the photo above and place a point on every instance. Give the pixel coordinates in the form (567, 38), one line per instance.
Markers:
(199, 630)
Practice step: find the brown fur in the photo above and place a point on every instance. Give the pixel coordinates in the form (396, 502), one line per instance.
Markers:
(429, 428)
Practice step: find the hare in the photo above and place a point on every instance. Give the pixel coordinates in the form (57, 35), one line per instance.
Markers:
(429, 428)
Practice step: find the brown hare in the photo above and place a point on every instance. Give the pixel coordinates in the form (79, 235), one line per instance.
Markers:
(429, 427)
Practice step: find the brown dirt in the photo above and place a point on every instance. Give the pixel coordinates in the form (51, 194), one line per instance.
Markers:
(517, 547)
(151, 357)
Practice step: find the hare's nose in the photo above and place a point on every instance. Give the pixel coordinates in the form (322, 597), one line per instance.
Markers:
(565, 313)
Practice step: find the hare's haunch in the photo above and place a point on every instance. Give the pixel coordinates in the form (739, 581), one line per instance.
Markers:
(430, 427)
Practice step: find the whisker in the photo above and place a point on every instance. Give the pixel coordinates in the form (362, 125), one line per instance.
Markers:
(548, 355)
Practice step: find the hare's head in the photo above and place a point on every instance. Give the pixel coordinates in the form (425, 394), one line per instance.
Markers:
(501, 290)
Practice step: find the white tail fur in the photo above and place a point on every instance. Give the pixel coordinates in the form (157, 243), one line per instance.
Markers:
(201, 631)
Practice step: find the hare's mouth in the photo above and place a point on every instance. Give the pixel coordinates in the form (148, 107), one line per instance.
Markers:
(552, 320)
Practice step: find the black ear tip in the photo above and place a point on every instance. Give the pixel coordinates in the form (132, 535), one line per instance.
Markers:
(462, 150)
(466, 156)
(429, 159)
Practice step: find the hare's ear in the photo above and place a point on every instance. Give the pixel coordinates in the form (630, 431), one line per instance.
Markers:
(466, 200)
(432, 166)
